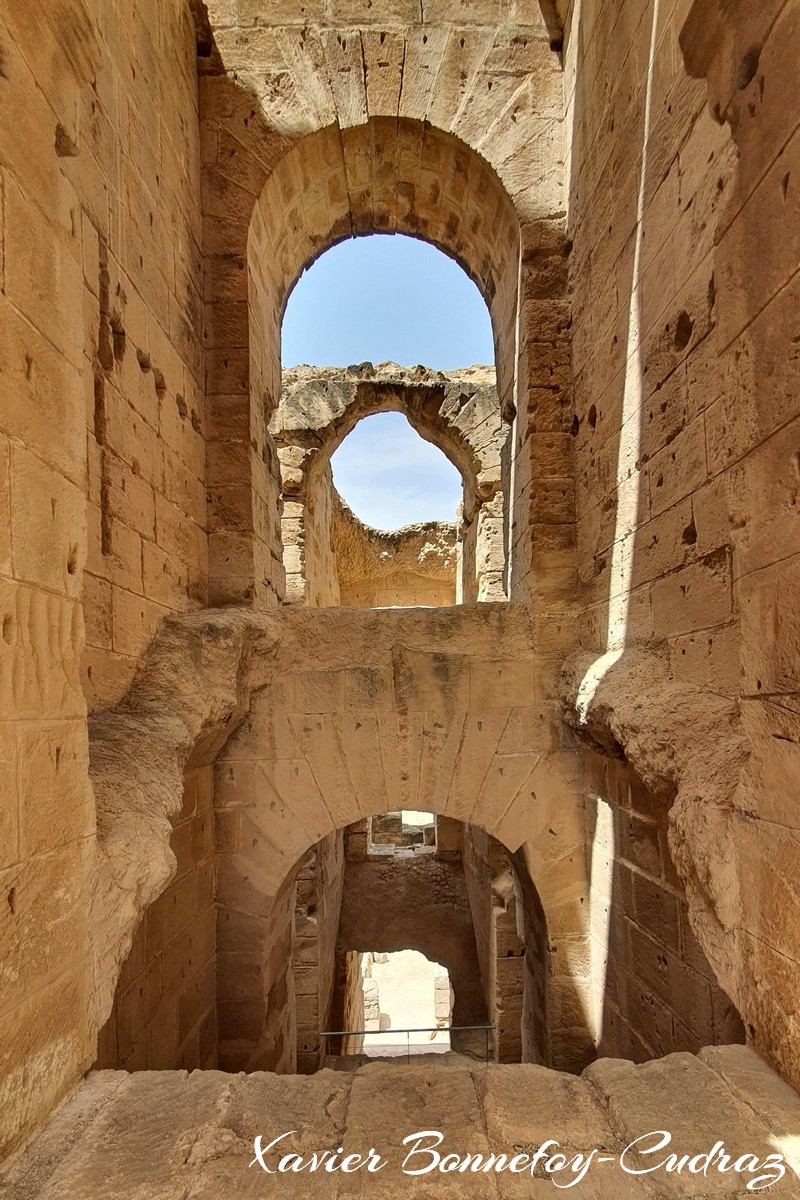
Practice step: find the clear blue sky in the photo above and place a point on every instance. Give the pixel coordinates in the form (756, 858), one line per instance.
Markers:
(378, 299)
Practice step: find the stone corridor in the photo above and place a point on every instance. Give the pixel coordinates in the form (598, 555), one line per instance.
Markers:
(217, 682)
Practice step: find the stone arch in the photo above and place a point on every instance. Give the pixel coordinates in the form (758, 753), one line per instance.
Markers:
(386, 176)
(281, 186)
(456, 411)
(383, 724)
(421, 692)
(319, 417)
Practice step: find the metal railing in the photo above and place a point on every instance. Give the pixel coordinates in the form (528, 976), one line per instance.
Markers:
(450, 1029)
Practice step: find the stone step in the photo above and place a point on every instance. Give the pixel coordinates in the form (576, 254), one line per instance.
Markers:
(169, 1135)
(351, 1062)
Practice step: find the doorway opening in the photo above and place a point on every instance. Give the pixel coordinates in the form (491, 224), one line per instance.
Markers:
(408, 1004)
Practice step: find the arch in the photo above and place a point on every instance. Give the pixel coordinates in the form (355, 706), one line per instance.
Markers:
(345, 143)
(385, 723)
(455, 411)
(385, 175)
(419, 904)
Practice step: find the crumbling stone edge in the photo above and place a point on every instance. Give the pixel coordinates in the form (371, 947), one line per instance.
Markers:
(191, 690)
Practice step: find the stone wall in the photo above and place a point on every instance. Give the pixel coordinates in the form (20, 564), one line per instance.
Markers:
(656, 989)
(164, 1015)
(749, 57)
(142, 362)
(684, 309)
(350, 990)
(383, 722)
(307, 524)
(102, 462)
(316, 926)
(417, 903)
(332, 558)
(413, 566)
(511, 935)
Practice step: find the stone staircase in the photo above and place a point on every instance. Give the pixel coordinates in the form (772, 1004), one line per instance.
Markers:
(169, 1135)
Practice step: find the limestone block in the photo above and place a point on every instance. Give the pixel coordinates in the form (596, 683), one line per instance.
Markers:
(40, 267)
(376, 1111)
(46, 390)
(697, 597)
(500, 684)
(48, 1028)
(46, 522)
(134, 621)
(481, 736)
(752, 1082)
(53, 764)
(680, 468)
(696, 1106)
(44, 925)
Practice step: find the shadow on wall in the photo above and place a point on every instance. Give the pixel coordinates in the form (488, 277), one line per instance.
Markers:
(653, 570)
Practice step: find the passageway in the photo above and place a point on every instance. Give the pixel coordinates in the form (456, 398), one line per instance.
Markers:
(407, 1005)
(399, 710)
(220, 689)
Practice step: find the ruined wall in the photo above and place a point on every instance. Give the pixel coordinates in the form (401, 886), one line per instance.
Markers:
(164, 1015)
(412, 566)
(417, 903)
(329, 556)
(683, 304)
(332, 558)
(749, 57)
(549, 1011)
(312, 570)
(99, 351)
(255, 941)
(351, 990)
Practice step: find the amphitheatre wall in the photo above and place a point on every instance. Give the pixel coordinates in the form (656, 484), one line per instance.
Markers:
(627, 207)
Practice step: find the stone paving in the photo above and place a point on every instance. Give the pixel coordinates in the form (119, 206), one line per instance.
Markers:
(169, 1135)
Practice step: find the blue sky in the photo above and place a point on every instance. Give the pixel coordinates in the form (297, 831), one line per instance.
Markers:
(386, 298)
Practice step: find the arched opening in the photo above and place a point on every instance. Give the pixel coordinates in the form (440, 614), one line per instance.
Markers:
(457, 413)
(387, 176)
(390, 477)
(384, 900)
(382, 524)
(407, 1006)
(373, 516)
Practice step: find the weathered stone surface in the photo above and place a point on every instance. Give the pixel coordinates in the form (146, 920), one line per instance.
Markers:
(330, 557)
(160, 1134)
(628, 211)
